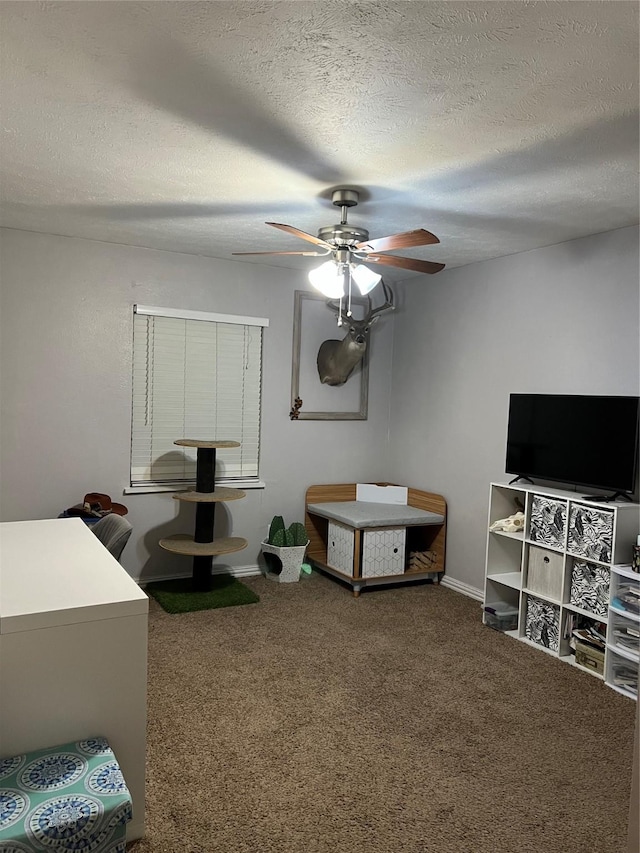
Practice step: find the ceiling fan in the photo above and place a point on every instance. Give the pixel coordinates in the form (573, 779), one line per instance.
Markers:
(349, 246)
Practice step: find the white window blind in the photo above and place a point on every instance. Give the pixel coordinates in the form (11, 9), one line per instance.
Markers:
(196, 376)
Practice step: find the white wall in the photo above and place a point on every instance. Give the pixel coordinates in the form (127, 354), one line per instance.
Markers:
(562, 319)
(66, 332)
(559, 319)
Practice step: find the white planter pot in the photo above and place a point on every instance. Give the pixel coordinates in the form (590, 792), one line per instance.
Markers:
(291, 558)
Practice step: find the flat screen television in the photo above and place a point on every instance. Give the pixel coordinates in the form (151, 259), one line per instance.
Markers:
(587, 441)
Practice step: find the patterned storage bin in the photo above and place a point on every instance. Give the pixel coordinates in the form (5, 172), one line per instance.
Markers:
(340, 544)
(383, 552)
(590, 532)
(67, 798)
(548, 522)
(542, 622)
(590, 587)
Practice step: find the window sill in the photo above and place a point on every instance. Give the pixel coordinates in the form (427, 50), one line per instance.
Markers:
(183, 487)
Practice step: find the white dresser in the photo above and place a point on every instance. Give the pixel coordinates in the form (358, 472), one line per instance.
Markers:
(73, 647)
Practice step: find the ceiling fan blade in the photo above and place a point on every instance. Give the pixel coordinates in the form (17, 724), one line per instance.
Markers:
(419, 237)
(307, 254)
(303, 234)
(404, 263)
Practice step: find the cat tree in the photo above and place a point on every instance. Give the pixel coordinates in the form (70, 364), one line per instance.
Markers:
(202, 546)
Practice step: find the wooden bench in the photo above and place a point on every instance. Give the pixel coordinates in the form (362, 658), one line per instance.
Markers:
(419, 553)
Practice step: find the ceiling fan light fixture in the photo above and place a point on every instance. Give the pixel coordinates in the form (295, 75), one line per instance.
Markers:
(365, 278)
(328, 278)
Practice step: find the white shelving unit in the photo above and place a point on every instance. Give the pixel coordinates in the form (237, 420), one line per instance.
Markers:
(623, 644)
(562, 572)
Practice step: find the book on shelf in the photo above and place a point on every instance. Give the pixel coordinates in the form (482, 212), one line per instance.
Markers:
(627, 638)
(625, 675)
(627, 601)
(590, 637)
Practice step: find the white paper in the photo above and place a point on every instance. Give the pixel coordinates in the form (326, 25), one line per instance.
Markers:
(382, 494)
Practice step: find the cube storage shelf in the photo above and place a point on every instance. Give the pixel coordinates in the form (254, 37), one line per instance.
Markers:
(568, 569)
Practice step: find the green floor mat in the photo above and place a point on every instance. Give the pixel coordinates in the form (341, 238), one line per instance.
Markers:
(177, 596)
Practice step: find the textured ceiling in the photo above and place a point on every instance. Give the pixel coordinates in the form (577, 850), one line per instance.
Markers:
(499, 126)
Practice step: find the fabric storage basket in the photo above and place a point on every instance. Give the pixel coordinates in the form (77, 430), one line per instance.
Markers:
(544, 572)
(548, 521)
(542, 622)
(590, 587)
(590, 532)
(383, 552)
(340, 542)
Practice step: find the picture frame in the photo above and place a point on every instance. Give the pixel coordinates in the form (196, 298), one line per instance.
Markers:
(314, 322)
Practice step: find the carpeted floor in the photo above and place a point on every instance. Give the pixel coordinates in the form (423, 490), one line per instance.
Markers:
(314, 722)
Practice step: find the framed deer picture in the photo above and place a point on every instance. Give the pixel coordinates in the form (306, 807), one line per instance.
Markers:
(330, 375)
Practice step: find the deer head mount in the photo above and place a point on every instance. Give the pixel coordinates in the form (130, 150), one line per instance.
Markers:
(337, 359)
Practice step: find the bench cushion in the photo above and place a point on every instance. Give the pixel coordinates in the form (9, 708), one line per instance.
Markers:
(370, 514)
(69, 797)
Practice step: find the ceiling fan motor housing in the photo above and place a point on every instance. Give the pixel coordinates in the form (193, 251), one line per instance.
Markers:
(343, 234)
(345, 198)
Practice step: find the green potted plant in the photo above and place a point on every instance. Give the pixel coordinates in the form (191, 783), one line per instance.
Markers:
(284, 550)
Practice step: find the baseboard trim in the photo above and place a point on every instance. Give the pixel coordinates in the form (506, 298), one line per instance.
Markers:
(235, 571)
(464, 588)
(254, 570)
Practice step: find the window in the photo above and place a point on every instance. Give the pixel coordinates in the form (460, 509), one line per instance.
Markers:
(195, 375)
